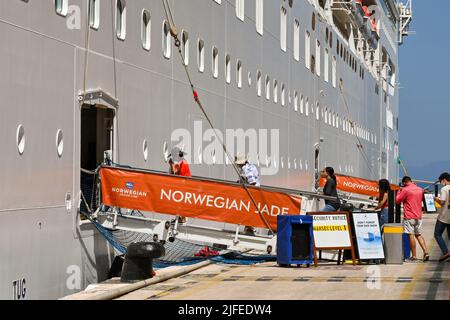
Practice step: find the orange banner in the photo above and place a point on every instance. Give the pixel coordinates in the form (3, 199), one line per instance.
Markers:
(193, 198)
(357, 185)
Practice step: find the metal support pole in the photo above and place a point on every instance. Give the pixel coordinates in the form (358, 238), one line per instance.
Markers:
(391, 206)
(398, 210)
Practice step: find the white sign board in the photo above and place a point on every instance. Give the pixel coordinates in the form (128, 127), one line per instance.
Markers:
(331, 231)
(368, 236)
(430, 206)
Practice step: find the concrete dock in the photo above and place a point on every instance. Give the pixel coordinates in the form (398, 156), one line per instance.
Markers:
(268, 281)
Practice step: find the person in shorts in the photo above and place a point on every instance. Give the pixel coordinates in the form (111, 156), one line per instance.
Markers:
(443, 220)
(410, 195)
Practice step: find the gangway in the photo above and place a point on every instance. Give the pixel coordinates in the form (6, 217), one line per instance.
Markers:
(222, 208)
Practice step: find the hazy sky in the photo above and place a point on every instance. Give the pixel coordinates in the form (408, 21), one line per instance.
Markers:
(425, 86)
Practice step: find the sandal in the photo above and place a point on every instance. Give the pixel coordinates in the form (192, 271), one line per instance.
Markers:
(426, 257)
(444, 257)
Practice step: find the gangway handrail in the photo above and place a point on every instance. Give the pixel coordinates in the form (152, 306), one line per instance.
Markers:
(167, 230)
(309, 194)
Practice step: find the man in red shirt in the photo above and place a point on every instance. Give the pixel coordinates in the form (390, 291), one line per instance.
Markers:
(411, 196)
(180, 167)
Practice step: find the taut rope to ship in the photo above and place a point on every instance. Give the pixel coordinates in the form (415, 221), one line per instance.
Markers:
(174, 33)
(359, 144)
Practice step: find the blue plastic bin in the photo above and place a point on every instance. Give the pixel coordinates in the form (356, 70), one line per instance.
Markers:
(406, 247)
(295, 240)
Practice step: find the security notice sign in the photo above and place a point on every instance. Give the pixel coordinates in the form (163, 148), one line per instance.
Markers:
(331, 231)
(368, 236)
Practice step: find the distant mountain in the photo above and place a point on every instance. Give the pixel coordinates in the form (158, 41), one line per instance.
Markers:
(430, 171)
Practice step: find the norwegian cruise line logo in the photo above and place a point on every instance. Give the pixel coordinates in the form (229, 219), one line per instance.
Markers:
(129, 191)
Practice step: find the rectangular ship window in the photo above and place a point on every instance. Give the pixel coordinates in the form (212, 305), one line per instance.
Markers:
(240, 9)
(239, 73)
(166, 41)
(325, 66)
(185, 43)
(201, 55)
(215, 62)
(283, 29)
(228, 68)
(61, 7)
(307, 50)
(94, 14)
(318, 56)
(260, 16)
(297, 40)
(121, 19)
(146, 30)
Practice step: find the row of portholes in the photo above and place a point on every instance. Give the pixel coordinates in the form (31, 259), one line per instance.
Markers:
(295, 164)
(267, 162)
(341, 169)
(21, 141)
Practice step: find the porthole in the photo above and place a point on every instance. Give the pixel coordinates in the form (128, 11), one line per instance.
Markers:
(145, 149)
(60, 142)
(20, 139)
(249, 79)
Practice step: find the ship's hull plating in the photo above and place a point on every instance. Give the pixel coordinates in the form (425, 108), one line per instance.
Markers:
(45, 253)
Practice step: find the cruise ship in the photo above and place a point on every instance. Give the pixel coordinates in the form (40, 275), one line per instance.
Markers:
(317, 80)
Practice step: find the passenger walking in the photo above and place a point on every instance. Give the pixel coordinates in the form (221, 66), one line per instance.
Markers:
(411, 196)
(330, 190)
(250, 175)
(248, 171)
(443, 220)
(180, 167)
(383, 204)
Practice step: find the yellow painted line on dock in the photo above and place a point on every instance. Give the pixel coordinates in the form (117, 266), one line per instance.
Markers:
(207, 284)
(407, 291)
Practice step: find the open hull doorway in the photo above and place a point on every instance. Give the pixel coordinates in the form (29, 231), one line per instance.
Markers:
(97, 134)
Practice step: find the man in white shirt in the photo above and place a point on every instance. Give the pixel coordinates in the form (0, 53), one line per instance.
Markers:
(443, 220)
(250, 175)
(249, 172)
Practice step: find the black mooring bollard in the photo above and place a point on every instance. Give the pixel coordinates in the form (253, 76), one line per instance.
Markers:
(138, 264)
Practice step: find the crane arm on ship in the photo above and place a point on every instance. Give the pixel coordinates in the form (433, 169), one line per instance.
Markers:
(405, 171)
(400, 162)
